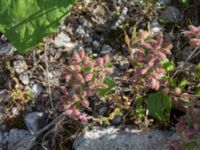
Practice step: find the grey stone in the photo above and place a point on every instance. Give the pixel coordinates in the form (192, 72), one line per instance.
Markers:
(61, 40)
(165, 1)
(6, 49)
(87, 39)
(16, 136)
(24, 77)
(122, 62)
(15, 111)
(80, 32)
(37, 89)
(106, 49)
(88, 50)
(4, 96)
(20, 66)
(95, 44)
(171, 15)
(117, 120)
(127, 139)
(102, 111)
(34, 121)
(82, 20)
(155, 27)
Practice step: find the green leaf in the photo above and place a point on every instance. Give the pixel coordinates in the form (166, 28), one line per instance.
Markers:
(138, 102)
(116, 112)
(26, 22)
(169, 66)
(87, 69)
(159, 106)
(182, 84)
(191, 145)
(108, 81)
(197, 91)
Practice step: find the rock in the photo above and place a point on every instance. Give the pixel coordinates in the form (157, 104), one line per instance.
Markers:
(4, 96)
(2, 141)
(165, 1)
(34, 121)
(6, 48)
(15, 111)
(155, 27)
(82, 20)
(80, 32)
(106, 49)
(87, 39)
(88, 50)
(102, 111)
(171, 15)
(95, 44)
(37, 89)
(20, 66)
(62, 40)
(24, 77)
(117, 120)
(15, 136)
(122, 62)
(128, 139)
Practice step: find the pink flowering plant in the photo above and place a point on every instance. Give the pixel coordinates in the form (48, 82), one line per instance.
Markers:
(148, 55)
(151, 67)
(84, 77)
(188, 126)
(194, 34)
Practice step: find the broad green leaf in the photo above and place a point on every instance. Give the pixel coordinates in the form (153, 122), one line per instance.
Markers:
(159, 106)
(110, 83)
(26, 22)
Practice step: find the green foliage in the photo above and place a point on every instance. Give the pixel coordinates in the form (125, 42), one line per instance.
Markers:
(191, 145)
(159, 106)
(26, 22)
(110, 83)
(182, 84)
(139, 110)
(169, 66)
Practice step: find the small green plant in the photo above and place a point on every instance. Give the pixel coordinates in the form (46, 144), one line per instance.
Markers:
(85, 77)
(25, 23)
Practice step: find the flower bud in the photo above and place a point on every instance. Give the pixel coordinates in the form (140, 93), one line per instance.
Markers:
(103, 86)
(85, 103)
(100, 62)
(88, 77)
(64, 90)
(76, 57)
(80, 78)
(83, 117)
(82, 54)
(105, 60)
(177, 91)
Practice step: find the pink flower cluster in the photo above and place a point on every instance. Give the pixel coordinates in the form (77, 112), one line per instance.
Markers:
(194, 33)
(188, 128)
(146, 54)
(84, 77)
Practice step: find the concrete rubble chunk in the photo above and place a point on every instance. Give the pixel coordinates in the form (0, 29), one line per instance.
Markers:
(126, 139)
